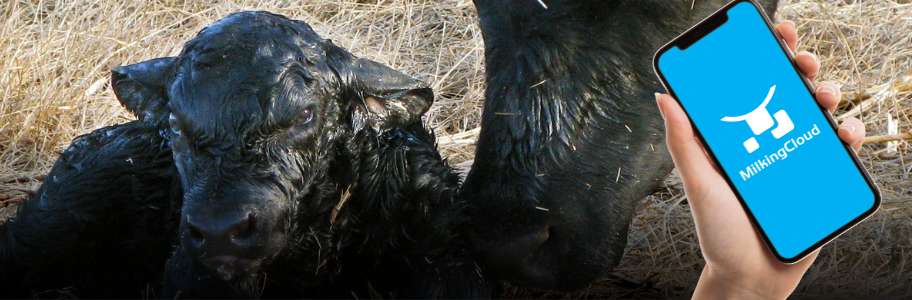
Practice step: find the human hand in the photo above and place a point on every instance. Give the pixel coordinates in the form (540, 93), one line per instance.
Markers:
(738, 265)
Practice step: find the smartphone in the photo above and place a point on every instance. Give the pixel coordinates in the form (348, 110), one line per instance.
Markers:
(757, 116)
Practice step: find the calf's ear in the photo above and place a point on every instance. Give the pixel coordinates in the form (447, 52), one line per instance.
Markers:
(382, 97)
(141, 88)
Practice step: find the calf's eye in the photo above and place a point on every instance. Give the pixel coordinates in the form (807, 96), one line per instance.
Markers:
(306, 116)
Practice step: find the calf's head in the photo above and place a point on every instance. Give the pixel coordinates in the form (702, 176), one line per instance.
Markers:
(258, 110)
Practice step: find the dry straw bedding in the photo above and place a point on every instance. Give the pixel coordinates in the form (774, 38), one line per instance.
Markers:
(55, 57)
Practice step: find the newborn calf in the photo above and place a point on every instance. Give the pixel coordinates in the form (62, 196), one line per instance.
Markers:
(298, 170)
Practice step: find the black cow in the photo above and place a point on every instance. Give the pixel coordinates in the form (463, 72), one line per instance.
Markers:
(570, 136)
(273, 162)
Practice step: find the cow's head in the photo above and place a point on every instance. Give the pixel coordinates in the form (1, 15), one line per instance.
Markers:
(258, 109)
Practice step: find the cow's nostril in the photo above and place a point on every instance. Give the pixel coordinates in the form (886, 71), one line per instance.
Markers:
(246, 227)
(195, 233)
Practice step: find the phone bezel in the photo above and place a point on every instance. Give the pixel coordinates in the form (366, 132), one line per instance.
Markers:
(693, 35)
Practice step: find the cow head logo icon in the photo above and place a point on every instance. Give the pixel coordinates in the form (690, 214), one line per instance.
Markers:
(759, 120)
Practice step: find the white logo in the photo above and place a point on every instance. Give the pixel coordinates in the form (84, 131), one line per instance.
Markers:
(759, 121)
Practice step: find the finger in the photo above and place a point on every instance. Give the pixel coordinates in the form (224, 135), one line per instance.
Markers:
(852, 132)
(808, 64)
(828, 95)
(686, 151)
(788, 32)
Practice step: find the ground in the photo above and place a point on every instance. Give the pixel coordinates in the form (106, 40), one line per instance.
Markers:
(55, 58)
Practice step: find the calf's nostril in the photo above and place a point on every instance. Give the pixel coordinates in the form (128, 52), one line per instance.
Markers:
(235, 232)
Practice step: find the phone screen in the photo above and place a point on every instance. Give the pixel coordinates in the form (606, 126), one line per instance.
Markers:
(759, 120)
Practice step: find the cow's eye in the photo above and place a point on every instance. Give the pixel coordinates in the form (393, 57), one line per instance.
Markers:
(173, 124)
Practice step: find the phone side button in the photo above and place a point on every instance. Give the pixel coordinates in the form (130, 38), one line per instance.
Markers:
(809, 83)
(787, 49)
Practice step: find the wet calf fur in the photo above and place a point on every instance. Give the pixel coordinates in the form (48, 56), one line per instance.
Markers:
(301, 170)
(103, 221)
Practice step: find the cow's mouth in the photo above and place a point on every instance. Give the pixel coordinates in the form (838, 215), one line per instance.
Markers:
(505, 258)
(228, 267)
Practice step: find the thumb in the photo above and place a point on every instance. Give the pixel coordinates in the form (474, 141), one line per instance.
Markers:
(686, 150)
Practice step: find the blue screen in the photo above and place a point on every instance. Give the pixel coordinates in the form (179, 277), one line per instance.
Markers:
(769, 135)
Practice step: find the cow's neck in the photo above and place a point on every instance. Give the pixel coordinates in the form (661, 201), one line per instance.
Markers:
(553, 74)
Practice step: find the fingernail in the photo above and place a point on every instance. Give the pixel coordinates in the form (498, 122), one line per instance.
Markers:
(806, 53)
(657, 95)
(827, 88)
(849, 128)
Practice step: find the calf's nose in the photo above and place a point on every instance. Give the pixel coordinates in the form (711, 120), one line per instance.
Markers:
(231, 235)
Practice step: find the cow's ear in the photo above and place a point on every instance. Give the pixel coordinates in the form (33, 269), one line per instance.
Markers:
(141, 88)
(382, 97)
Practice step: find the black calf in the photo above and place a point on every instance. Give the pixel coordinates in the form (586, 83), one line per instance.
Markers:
(303, 171)
(102, 223)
